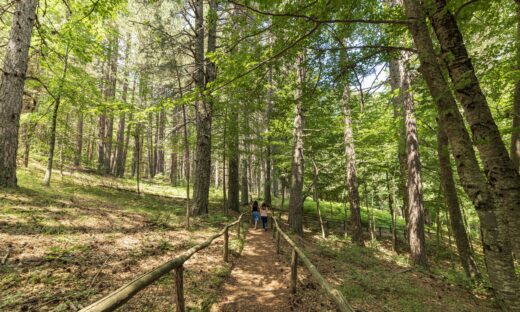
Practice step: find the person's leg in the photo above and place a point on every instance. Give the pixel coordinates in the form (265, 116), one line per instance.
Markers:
(264, 223)
(256, 219)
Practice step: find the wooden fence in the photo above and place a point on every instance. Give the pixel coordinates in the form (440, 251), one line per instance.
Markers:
(120, 296)
(297, 253)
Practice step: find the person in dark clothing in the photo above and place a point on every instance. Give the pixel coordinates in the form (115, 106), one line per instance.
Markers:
(255, 214)
(263, 215)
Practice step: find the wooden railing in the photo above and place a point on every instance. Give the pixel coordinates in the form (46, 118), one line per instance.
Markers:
(297, 253)
(120, 296)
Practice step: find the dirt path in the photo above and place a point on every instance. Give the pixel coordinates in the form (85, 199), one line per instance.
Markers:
(259, 279)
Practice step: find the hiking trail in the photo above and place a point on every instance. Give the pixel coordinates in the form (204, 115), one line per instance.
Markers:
(259, 280)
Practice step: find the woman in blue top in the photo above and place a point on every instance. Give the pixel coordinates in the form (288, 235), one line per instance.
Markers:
(255, 213)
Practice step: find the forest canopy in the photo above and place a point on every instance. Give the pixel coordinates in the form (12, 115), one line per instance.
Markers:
(402, 113)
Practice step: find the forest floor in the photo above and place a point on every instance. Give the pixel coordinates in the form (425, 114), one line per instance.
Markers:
(67, 245)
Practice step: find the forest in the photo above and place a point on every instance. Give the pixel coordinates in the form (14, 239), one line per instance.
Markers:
(381, 136)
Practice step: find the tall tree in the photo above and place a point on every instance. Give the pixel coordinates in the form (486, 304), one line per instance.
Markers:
(515, 135)
(497, 249)
(57, 101)
(452, 202)
(350, 168)
(205, 73)
(233, 200)
(501, 173)
(11, 87)
(297, 163)
(120, 135)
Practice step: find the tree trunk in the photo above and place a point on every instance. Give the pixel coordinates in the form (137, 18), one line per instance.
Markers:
(497, 249)
(268, 148)
(414, 187)
(79, 139)
(316, 197)
(205, 73)
(395, 85)
(162, 125)
(351, 171)
(110, 96)
(52, 142)
(27, 143)
(233, 201)
(297, 166)
(120, 136)
(11, 87)
(501, 173)
(244, 194)
(150, 145)
(515, 135)
(452, 202)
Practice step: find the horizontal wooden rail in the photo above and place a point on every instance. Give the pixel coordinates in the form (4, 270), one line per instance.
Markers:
(334, 294)
(120, 296)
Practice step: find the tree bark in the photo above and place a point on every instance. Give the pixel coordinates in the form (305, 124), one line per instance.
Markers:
(268, 148)
(497, 249)
(501, 173)
(350, 169)
(395, 85)
(297, 166)
(414, 187)
(11, 87)
(452, 202)
(120, 136)
(79, 139)
(515, 135)
(110, 96)
(160, 145)
(233, 200)
(205, 73)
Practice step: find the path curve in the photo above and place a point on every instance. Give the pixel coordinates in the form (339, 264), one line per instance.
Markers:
(259, 279)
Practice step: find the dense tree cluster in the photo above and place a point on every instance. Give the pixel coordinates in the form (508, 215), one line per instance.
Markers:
(414, 105)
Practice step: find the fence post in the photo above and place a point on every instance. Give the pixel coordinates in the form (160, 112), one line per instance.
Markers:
(294, 271)
(278, 242)
(239, 225)
(226, 244)
(179, 288)
(272, 226)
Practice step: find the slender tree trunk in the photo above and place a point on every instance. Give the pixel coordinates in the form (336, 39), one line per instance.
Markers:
(297, 171)
(497, 249)
(160, 144)
(234, 160)
(316, 197)
(268, 148)
(351, 171)
(452, 202)
(515, 135)
(502, 175)
(392, 213)
(414, 187)
(149, 141)
(395, 84)
(27, 143)
(79, 139)
(120, 135)
(52, 142)
(110, 96)
(11, 87)
(244, 194)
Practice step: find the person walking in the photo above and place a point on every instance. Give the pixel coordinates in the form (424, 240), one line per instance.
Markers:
(254, 213)
(263, 214)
